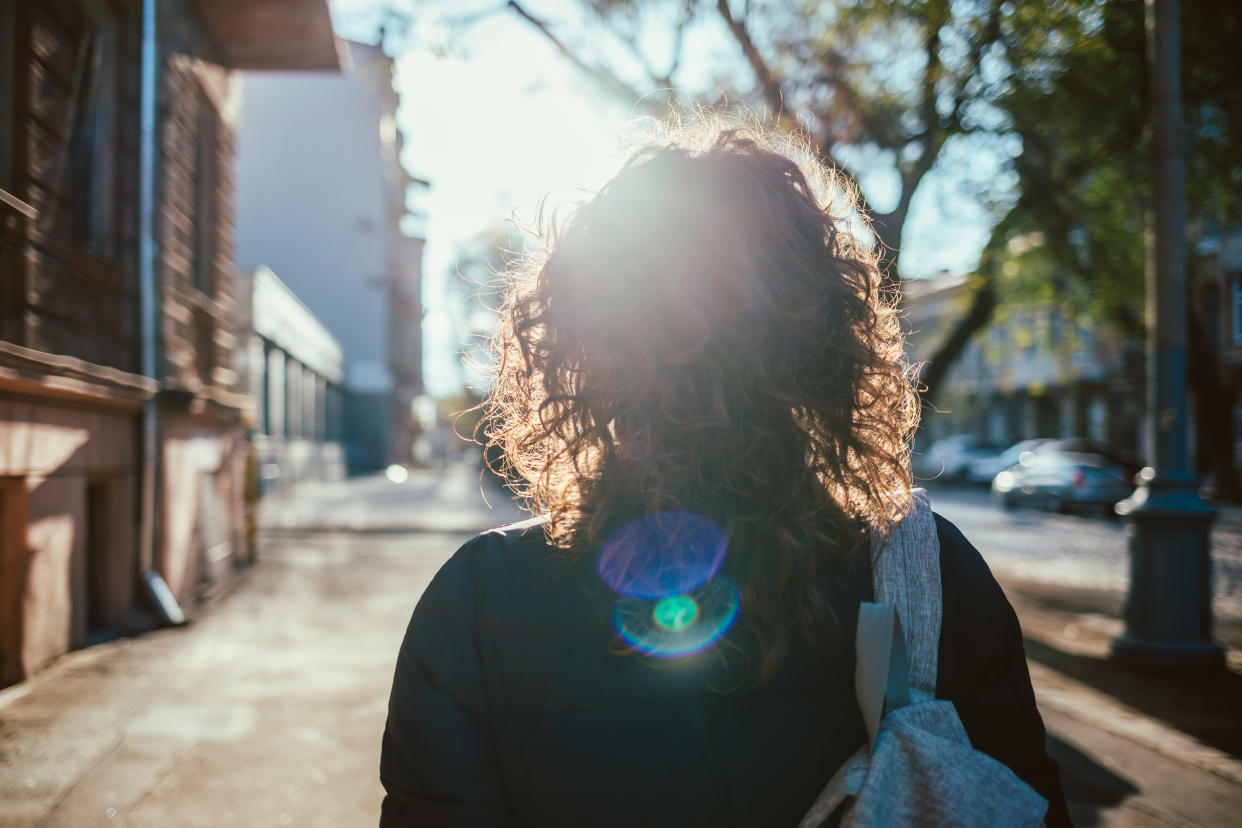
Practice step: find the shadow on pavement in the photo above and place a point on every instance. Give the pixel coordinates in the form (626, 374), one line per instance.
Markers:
(1090, 788)
(1203, 705)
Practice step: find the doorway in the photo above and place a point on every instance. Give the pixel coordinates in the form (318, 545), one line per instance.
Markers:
(13, 573)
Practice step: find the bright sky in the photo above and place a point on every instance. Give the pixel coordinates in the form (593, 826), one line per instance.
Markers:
(499, 121)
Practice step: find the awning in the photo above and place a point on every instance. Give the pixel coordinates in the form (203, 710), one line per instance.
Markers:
(274, 34)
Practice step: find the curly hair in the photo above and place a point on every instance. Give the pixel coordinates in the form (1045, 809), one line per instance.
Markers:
(709, 333)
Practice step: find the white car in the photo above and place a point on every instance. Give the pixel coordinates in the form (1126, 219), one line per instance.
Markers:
(948, 457)
(984, 469)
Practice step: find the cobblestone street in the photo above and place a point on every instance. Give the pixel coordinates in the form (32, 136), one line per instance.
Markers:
(1081, 551)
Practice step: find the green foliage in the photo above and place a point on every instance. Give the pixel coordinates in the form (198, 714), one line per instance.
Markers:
(1084, 170)
(897, 80)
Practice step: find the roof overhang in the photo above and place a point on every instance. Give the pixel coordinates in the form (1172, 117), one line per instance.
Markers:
(274, 34)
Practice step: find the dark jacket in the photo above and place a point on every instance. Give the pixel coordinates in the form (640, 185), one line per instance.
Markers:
(513, 705)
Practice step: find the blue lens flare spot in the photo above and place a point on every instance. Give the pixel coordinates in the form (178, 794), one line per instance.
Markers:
(675, 612)
(663, 554)
(678, 625)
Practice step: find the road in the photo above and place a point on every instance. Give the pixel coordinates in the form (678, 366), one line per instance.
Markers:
(1078, 551)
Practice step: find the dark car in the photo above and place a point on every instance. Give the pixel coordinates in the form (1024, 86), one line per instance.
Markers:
(1063, 481)
(1130, 462)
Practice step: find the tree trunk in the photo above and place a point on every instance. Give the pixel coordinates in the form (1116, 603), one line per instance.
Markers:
(980, 313)
(1213, 414)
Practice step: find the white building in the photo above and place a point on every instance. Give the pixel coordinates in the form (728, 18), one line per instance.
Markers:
(293, 368)
(321, 200)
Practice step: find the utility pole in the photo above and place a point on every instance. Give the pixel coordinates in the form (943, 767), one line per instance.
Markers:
(1169, 606)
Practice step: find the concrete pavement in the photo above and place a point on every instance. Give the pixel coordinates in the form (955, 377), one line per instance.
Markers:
(456, 500)
(267, 710)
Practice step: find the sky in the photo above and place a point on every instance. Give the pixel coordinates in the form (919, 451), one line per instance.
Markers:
(498, 122)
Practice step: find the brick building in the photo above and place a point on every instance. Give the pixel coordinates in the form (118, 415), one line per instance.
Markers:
(121, 425)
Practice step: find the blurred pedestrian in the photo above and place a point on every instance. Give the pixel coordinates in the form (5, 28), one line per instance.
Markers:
(701, 384)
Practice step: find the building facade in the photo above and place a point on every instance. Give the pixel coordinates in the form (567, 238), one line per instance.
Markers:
(322, 200)
(122, 453)
(1216, 270)
(1033, 371)
(292, 368)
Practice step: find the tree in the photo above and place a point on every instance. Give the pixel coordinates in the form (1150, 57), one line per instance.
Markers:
(474, 290)
(474, 295)
(883, 81)
(1085, 179)
(888, 84)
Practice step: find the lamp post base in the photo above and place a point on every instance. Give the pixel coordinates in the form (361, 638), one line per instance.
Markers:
(1171, 656)
(1168, 610)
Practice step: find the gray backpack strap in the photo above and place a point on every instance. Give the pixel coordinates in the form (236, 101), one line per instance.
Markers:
(918, 767)
(905, 572)
(881, 681)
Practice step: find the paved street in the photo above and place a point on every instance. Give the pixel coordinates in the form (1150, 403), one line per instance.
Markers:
(267, 709)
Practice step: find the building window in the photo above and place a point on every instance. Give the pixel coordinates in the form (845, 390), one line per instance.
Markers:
(206, 186)
(92, 136)
(1235, 306)
(204, 346)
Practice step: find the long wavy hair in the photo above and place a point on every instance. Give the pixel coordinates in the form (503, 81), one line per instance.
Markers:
(708, 333)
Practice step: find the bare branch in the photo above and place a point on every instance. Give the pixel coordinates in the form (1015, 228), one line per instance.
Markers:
(775, 99)
(933, 136)
(991, 33)
(679, 38)
(768, 82)
(606, 80)
(931, 72)
(982, 303)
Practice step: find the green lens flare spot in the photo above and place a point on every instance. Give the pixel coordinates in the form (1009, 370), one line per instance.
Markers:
(675, 612)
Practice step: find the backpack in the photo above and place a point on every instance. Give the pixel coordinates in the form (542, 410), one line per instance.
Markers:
(918, 767)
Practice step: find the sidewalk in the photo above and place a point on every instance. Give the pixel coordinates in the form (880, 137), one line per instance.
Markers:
(1135, 748)
(458, 500)
(265, 710)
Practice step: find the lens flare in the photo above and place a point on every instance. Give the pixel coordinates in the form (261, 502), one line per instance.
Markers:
(675, 612)
(678, 625)
(662, 554)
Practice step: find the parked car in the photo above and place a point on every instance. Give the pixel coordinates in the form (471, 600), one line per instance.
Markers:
(1063, 481)
(948, 457)
(984, 469)
(1130, 462)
